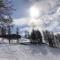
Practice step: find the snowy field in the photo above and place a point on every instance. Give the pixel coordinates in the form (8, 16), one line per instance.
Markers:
(28, 52)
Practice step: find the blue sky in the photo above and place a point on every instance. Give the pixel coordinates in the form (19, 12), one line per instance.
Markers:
(21, 12)
(21, 7)
(49, 15)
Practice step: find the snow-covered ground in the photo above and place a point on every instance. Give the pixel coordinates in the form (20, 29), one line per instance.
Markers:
(28, 52)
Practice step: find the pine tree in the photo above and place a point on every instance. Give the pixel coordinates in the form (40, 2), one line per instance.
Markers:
(33, 36)
(39, 36)
(36, 36)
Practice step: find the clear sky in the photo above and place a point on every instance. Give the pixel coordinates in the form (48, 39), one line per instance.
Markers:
(21, 7)
(40, 14)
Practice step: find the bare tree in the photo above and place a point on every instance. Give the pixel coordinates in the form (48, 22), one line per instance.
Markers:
(6, 9)
(17, 31)
(5, 13)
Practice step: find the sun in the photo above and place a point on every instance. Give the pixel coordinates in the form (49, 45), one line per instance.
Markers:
(34, 12)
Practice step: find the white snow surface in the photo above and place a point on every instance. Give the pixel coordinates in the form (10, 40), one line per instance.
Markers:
(28, 52)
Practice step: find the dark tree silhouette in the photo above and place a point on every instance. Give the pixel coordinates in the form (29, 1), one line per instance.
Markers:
(17, 33)
(49, 38)
(33, 37)
(39, 36)
(36, 37)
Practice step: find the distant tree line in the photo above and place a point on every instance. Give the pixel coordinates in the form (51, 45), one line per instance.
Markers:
(35, 37)
(53, 40)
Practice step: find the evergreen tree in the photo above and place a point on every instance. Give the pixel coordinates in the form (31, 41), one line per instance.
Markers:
(36, 36)
(39, 36)
(33, 37)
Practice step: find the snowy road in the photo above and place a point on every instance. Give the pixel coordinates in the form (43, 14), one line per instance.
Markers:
(28, 52)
